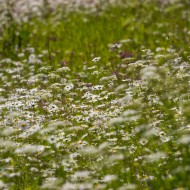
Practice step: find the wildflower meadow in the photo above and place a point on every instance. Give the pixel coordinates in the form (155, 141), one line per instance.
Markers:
(95, 95)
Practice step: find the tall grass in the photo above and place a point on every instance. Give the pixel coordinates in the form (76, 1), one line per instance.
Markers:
(95, 99)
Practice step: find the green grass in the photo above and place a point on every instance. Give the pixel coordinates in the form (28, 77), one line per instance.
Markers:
(96, 99)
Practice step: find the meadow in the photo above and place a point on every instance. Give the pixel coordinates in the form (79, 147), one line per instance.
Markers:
(95, 97)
